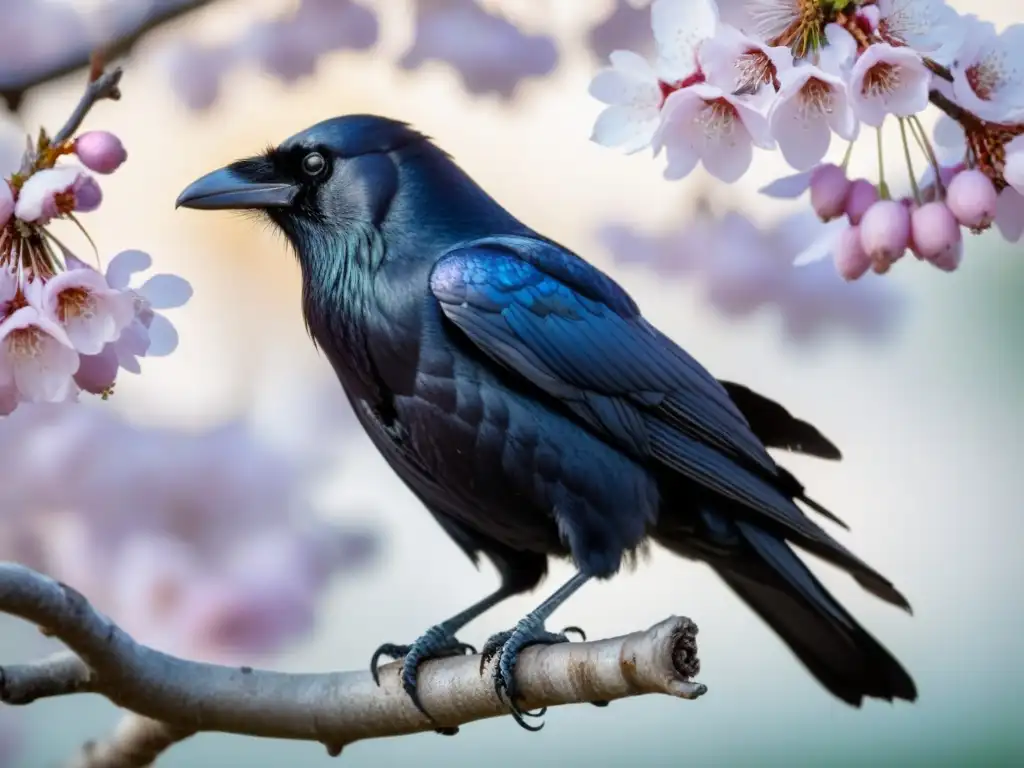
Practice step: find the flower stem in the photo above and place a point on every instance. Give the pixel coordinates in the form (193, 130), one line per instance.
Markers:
(883, 188)
(926, 147)
(910, 162)
(846, 156)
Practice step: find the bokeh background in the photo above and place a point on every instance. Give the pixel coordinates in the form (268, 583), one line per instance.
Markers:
(929, 413)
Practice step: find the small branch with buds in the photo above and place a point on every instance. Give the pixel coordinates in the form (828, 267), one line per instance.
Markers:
(78, 55)
(172, 698)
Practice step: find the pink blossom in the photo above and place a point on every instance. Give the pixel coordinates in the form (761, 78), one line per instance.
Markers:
(100, 151)
(888, 81)
(196, 72)
(55, 192)
(8, 290)
(885, 233)
(488, 51)
(811, 105)
(37, 355)
(988, 74)
(635, 91)
(92, 313)
(927, 26)
(972, 198)
(6, 203)
(703, 124)
(741, 268)
(736, 62)
(829, 189)
(935, 233)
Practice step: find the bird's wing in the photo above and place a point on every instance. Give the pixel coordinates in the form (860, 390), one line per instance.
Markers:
(776, 427)
(547, 315)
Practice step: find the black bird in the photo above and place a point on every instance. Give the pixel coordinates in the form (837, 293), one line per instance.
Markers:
(520, 394)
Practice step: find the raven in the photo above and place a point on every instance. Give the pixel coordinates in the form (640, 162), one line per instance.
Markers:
(520, 394)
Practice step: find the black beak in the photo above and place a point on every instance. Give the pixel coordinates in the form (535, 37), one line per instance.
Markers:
(226, 189)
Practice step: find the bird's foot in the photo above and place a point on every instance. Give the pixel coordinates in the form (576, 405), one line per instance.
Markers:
(436, 643)
(505, 647)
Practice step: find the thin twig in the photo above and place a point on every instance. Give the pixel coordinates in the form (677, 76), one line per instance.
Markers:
(335, 708)
(16, 83)
(105, 85)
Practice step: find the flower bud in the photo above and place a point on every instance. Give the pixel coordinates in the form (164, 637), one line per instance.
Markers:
(972, 198)
(861, 196)
(850, 258)
(935, 232)
(100, 151)
(885, 233)
(829, 188)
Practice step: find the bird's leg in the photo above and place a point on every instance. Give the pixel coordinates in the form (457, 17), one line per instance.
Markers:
(505, 647)
(437, 642)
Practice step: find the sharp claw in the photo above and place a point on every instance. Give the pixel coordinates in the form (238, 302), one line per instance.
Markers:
(576, 631)
(391, 651)
(506, 646)
(447, 730)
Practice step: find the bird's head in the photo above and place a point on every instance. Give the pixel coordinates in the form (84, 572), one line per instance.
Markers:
(336, 175)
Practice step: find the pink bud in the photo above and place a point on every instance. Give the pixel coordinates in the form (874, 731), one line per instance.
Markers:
(972, 198)
(88, 195)
(885, 232)
(935, 232)
(861, 196)
(829, 187)
(850, 258)
(100, 151)
(950, 260)
(6, 203)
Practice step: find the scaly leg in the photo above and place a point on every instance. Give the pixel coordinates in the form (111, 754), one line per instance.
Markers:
(437, 642)
(505, 646)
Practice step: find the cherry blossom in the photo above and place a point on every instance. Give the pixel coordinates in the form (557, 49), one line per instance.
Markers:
(635, 91)
(988, 74)
(54, 192)
(37, 356)
(742, 268)
(703, 124)
(738, 63)
(489, 52)
(972, 199)
(888, 81)
(930, 27)
(90, 311)
(811, 105)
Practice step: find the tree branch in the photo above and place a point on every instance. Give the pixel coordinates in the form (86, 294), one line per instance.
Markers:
(17, 81)
(335, 708)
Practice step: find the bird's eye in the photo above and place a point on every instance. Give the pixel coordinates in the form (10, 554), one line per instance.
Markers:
(313, 164)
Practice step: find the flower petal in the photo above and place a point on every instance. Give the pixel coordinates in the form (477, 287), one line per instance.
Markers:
(124, 265)
(163, 338)
(166, 291)
(788, 187)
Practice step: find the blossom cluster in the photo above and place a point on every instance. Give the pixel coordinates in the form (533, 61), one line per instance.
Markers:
(66, 327)
(742, 269)
(205, 544)
(792, 74)
(490, 53)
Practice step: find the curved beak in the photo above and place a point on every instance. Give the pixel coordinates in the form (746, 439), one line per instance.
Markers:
(226, 189)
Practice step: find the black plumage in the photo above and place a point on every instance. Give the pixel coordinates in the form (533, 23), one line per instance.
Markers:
(520, 394)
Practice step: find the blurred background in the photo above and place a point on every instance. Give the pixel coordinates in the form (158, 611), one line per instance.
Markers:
(917, 376)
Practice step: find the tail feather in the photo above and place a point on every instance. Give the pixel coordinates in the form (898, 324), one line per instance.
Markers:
(776, 584)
